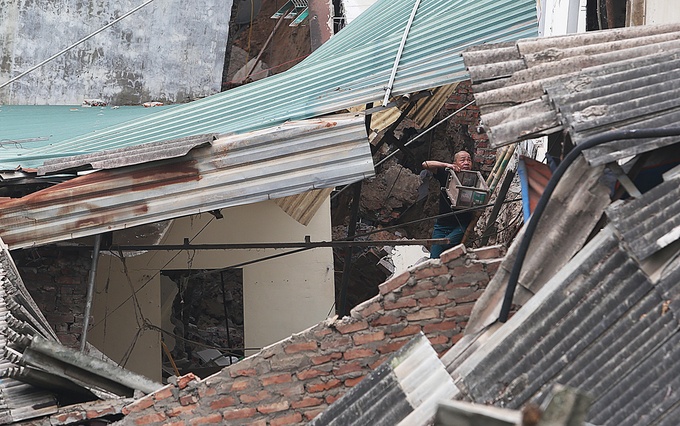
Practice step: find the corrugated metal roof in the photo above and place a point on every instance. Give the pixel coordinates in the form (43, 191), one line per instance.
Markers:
(25, 128)
(350, 69)
(404, 390)
(599, 325)
(233, 170)
(303, 207)
(638, 219)
(585, 83)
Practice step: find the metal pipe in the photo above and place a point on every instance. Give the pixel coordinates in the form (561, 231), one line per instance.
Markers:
(388, 89)
(550, 187)
(248, 246)
(90, 291)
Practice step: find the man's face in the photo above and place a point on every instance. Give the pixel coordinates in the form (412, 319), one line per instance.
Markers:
(464, 161)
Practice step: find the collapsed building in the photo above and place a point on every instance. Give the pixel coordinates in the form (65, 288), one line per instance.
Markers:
(584, 297)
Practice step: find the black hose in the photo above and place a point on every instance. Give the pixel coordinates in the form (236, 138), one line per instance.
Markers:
(550, 187)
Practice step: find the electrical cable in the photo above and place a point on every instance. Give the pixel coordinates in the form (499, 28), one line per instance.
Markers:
(550, 187)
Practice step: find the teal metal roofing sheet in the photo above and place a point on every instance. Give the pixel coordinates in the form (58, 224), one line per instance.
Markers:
(351, 69)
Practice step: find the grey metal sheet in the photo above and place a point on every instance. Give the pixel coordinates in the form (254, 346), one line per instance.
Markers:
(288, 159)
(650, 222)
(403, 390)
(595, 68)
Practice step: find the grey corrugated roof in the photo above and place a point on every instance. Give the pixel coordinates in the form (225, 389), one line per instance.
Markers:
(585, 83)
(404, 390)
(351, 69)
(638, 220)
(600, 325)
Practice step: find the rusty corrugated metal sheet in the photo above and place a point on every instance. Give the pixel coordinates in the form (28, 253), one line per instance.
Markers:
(529, 88)
(233, 170)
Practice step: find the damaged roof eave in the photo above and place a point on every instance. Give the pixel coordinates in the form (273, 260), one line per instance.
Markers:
(289, 159)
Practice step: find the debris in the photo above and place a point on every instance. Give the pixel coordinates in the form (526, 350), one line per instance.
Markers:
(93, 103)
(152, 104)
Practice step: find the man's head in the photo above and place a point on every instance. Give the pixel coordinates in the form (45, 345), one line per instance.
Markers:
(463, 160)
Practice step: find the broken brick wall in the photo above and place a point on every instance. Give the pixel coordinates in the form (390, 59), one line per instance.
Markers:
(463, 129)
(57, 281)
(294, 380)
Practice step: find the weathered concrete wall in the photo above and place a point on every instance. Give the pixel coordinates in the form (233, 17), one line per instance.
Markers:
(169, 51)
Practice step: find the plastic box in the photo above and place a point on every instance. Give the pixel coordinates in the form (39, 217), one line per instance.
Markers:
(466, 189)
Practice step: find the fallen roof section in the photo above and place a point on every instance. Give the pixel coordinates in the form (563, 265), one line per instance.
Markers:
(232, 170)
(626, 78)
(352, 68)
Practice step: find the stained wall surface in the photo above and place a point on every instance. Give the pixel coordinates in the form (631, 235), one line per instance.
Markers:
(169, 51)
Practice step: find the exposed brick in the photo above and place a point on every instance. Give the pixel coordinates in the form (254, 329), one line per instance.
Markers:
(249, 372)
(432, 271)
(349, 367)
(440, 326)
(293, 390)
(214, 418)
(438, 340)
(163, 393)
(335, 343)
(463, 310)
(351, 327)
(352, 382)
(225, 401)
(206, 392)
(184, 381)
(70, 417)
(409, 330)
(360, 339)
(453, 253)
(139, 405)
(309, 415)
(288, 419)
(439, 300)
(467, 269)
(394, 283)
(300, 347)
(254, 397)
(368, 309)
(243, 384)
(240, 413)
(311, 373)
(188, 399)
(420, 286)
(423, 314)
(391, 347)
(471, 297)
(273, 407)
(178, 411)
(489, 252)
(358, 353)
(456, 337)
(322, 359)
(93, 414)
(385, 320)
(150, 418)
(400, 304)
(306, 402)
(323, 386)
(276, 379)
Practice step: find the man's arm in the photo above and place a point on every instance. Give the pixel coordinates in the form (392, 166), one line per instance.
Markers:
(433, 165)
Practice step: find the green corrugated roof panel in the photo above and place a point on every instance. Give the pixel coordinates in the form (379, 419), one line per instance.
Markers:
(351, 69)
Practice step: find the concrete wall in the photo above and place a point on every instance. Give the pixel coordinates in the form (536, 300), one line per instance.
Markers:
(662, 12)
(169, 51)
(281, 296)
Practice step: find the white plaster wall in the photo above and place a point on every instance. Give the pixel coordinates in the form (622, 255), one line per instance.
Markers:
(662, 12)
(282, 296)
(169, 50)
(354, 8)
(560, 17)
